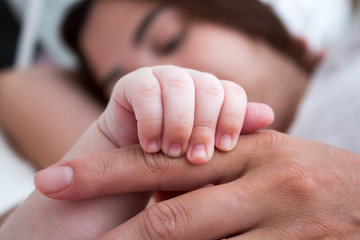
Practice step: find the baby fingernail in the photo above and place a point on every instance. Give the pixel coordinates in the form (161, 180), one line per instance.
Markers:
(153, 146)
(175, 150)
(198, 153)
(226, 142)
(54, 179)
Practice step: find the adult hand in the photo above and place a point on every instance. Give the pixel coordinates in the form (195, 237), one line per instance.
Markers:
(271, 186)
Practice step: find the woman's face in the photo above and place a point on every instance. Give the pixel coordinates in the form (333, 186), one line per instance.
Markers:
(122, 36)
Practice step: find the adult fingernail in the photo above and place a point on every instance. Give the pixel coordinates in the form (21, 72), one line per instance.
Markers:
(198, 153)
(54, 179)
(175, 150)
(226, 143)
(153, 146)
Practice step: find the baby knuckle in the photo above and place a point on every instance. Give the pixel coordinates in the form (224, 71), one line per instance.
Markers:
(163, 221)
(205, 125)
(213, 87)
(176, 77)
(232, 86)
(180, 82)
(233, 118)
(149, 122)
(149, 88)
(179, 130)
(181, 124)
(214, 90)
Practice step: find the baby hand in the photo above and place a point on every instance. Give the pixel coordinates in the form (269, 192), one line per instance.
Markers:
(180, 111)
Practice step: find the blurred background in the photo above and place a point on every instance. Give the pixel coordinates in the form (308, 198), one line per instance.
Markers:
(322, 23)
(9, 32)
(29, 33)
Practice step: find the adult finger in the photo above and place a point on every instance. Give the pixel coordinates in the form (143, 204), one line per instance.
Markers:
(196, 215)
(132, 170)
(178, 99)
(128, 170)
(208, 102)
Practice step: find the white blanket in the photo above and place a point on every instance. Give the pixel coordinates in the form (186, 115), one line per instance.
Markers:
(330, 111)
(322, 22)
(16, 177)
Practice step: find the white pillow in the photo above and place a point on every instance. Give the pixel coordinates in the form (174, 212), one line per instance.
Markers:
(321, 22)
(16, 177)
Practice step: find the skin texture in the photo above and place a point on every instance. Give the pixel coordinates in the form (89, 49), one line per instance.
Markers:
(177, 111)
(91, 218)
(267, 76)
(108, 43)
(5, 216)
(264, 189)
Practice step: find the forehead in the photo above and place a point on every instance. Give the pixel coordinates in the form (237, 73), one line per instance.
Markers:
(111, 24)
(104, 10)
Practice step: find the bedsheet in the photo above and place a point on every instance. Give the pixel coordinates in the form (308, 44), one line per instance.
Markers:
(16, 177)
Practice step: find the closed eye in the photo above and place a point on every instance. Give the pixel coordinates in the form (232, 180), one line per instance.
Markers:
(171, 45)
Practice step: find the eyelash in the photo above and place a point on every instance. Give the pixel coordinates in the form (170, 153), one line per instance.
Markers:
(172, 45)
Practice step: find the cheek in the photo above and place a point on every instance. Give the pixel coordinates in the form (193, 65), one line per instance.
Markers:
(227, 55)
(204, 50)
(98, 57)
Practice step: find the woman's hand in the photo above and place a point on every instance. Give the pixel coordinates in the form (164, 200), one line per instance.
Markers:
(158, 101)
(180, 111)
(271, 186)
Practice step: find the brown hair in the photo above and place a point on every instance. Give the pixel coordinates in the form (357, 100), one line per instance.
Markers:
(249, 16)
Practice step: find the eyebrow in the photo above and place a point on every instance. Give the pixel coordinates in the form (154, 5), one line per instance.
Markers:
(117, 72)
(146, 23)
